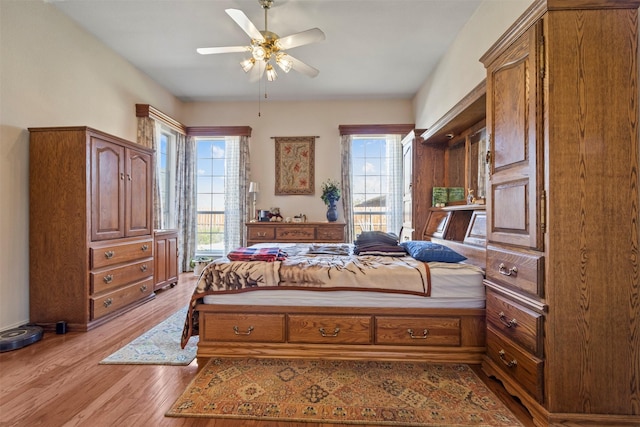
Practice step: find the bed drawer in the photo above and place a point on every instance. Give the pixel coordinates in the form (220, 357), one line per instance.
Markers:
(438, 331)
(113, 301)
(103, 256)
(516, 269)
(242, 327)
(516, 322)
(294, 234)
(517, 363)
(115, 277)
(329, 329)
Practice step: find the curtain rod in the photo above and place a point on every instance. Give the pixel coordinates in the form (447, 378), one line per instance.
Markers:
(274, 137)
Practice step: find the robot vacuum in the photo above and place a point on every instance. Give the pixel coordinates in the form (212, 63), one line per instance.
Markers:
(16, 338)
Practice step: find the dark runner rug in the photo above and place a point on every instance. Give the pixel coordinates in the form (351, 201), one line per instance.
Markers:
(342, 392)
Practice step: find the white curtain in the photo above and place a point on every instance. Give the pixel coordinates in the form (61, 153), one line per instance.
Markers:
(394, 190)
(148, 135)
(347, 206)
(236, 191)
(243, 180)
(185, 204)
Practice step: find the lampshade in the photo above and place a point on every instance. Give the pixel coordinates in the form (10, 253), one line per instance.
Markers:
(254, 187)
(285, 62)
(247, 64)
(259, 53)
(271, 73)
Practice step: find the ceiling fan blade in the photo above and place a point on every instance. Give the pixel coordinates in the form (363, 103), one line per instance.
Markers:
(300, 39)
(227, 49)
(303, 68)
(244, 23)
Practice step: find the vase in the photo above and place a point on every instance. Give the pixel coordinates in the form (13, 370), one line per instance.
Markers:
(332, 212)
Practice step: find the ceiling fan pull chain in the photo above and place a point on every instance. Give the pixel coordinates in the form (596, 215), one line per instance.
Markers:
(259, 103)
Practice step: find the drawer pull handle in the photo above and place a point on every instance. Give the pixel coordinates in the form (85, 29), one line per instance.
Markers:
(508, 324)
(236, 330)
(107, 302)
(143, 267)
(336, 331)
(143, 288)
(511, 364)
(145, 248)
(109, 254)
(425, 332)
(262, 234)
(108, 278)
(513, 271)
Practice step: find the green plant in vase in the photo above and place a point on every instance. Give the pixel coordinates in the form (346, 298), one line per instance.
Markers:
(330, 195)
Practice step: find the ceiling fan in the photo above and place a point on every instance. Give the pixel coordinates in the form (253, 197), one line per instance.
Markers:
(267, 46)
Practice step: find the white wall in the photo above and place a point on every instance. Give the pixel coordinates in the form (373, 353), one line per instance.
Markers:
(297, 119)
(460, 70)
(52, 73)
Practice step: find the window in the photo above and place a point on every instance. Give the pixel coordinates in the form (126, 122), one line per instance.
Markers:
(166, 158)
(376, 176)
(210, 189)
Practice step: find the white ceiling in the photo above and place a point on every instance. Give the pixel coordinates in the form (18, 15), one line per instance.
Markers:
(373, 49)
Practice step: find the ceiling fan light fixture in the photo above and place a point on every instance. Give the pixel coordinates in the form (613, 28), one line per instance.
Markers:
(248, 64)
(271, 73)
(259, 53)
(285, 62)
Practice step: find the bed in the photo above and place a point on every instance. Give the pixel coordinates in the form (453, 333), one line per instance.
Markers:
(322, 301)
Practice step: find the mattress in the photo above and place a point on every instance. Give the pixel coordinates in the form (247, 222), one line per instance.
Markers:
(452, 286)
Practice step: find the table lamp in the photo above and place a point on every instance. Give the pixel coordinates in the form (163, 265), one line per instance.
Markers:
(254, 188)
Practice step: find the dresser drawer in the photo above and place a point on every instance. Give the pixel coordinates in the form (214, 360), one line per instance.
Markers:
(295, 233)
(267, 234)
(431, 331)
(516, 269)
(516, 322)
(116, 277)
(329, 329)
(520, 365)
(243, 327)
(103, 256)
(113, 301)
(330, 234)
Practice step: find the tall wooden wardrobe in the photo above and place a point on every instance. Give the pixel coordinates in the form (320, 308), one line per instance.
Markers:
(563, 222)
(90, 226)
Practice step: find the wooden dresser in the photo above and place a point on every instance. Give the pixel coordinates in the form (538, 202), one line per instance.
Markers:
(563, 300)
(166, 258)
(90, 226)
(295, 232)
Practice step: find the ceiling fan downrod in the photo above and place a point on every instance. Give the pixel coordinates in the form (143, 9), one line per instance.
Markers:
(266, 5)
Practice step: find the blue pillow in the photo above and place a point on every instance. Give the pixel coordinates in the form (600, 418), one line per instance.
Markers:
(429, 251)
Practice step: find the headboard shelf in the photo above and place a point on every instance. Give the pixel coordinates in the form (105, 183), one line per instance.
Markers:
(453, 155)
(466, 113)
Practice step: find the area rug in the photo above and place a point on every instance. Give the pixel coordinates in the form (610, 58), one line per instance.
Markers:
(158, 346)
(342, 392)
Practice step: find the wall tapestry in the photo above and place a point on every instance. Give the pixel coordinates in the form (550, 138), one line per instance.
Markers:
(295, 170)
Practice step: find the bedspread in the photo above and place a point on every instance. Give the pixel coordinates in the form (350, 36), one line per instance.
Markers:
(309, 271)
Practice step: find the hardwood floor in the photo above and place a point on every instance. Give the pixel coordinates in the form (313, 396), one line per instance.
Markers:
(57, 381)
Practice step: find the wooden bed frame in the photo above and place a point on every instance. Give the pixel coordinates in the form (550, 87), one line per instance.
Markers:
(455, 335)
(410, 334)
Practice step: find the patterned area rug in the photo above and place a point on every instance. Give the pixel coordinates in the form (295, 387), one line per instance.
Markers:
(343, 392)
(158, 346)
